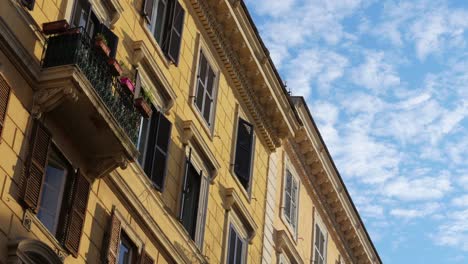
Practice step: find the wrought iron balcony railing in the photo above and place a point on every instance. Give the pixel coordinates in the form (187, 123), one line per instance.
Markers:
(75, 47)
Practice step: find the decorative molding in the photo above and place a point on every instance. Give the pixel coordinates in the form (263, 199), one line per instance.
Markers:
(143, 57)
(116, 10)
(27, 64)
(233, 201)
(179, 255)
(191, 134)
(284, 244)
(22, 251)
(236, 72)
(102, 166)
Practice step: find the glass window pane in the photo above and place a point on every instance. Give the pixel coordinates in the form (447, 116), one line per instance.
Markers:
(159, 25)
(199, 97)
(202, 68)
(207, 110)
(210, 82)
(52, 192)
(127, 251)
(143, 139)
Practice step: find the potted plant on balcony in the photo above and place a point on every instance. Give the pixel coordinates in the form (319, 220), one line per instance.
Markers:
(115, 67)
(127, 84)
(143, 104)
(55, 27)
(101, 43)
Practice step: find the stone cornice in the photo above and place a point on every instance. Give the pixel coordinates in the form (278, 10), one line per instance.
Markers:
(338, 203)
(243, 69)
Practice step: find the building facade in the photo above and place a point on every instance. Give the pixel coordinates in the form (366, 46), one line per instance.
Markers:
(159, 131)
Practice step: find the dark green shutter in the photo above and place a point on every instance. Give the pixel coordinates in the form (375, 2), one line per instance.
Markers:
(161, 148)
(244, 148)
(175, 33)
(29, 4)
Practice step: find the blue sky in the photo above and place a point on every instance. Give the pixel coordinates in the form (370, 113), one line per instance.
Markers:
(387, 82)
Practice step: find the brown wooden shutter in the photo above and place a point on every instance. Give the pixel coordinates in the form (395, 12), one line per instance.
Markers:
(175, 34)
(4, 98)
(113, 240)
(148, 10)
(77, 214)
(36, 166)
(145, 258)
(161, 149)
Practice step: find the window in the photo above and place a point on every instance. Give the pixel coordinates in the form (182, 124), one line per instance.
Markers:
(244, 153)
(153, 144)
(204, 94)
(291, 199)
(194, 198)
(52, 188)
(283, 259)
(319, 245)
(237, 247)
(165, 20)
(83, 16)
(127, 250)
(4, 98)
(122, 245)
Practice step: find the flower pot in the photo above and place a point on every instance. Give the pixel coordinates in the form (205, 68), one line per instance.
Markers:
(55, 27)
(143, 107)
(127, 83)
(102, 46)
(115, 67)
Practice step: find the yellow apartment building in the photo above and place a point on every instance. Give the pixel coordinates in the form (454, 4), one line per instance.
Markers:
(159, 131)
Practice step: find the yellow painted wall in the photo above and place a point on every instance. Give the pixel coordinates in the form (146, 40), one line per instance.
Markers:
(129, 28)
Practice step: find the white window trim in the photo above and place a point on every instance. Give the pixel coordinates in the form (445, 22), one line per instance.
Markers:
(202, 46)
(318, 222)
(288, 166)
(234, 220)
(247, 193)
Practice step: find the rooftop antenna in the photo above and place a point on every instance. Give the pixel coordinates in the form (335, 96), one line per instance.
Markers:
(286, 87)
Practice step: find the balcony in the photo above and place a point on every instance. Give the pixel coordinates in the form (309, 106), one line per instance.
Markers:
(81, 96)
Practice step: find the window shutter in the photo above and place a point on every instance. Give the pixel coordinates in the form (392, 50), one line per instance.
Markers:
(175, 34)
(294, 202)
(244, 152)
(112, 39)
(145, 258)
(4, 98)
(184, 185)
(37, 163)
(148, 10)
(287, 198)
(77, 214)
(113, 240)
(29, 4)
(163, 139)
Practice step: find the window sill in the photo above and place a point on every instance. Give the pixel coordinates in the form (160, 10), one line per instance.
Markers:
(246, 193)
(31, 219)
(156, 46)
(208, 129)
(290, 229)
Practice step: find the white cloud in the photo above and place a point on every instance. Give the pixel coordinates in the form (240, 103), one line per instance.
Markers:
(420, 189)
(425, 210)
(314, 67)
(461, 201)
(455, 231)
(375, 73)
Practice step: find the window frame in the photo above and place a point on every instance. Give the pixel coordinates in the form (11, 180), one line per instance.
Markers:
(242, 238)
(202, 48)
(289, 168)
(239, 114)
(318, 223)
(147, 148)
(235, 222)
(66, 191)
(192, 155)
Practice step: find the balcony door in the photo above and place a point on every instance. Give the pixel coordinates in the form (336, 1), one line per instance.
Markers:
(83, 16)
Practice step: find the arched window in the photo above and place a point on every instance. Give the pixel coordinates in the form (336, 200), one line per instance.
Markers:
(31, 251)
